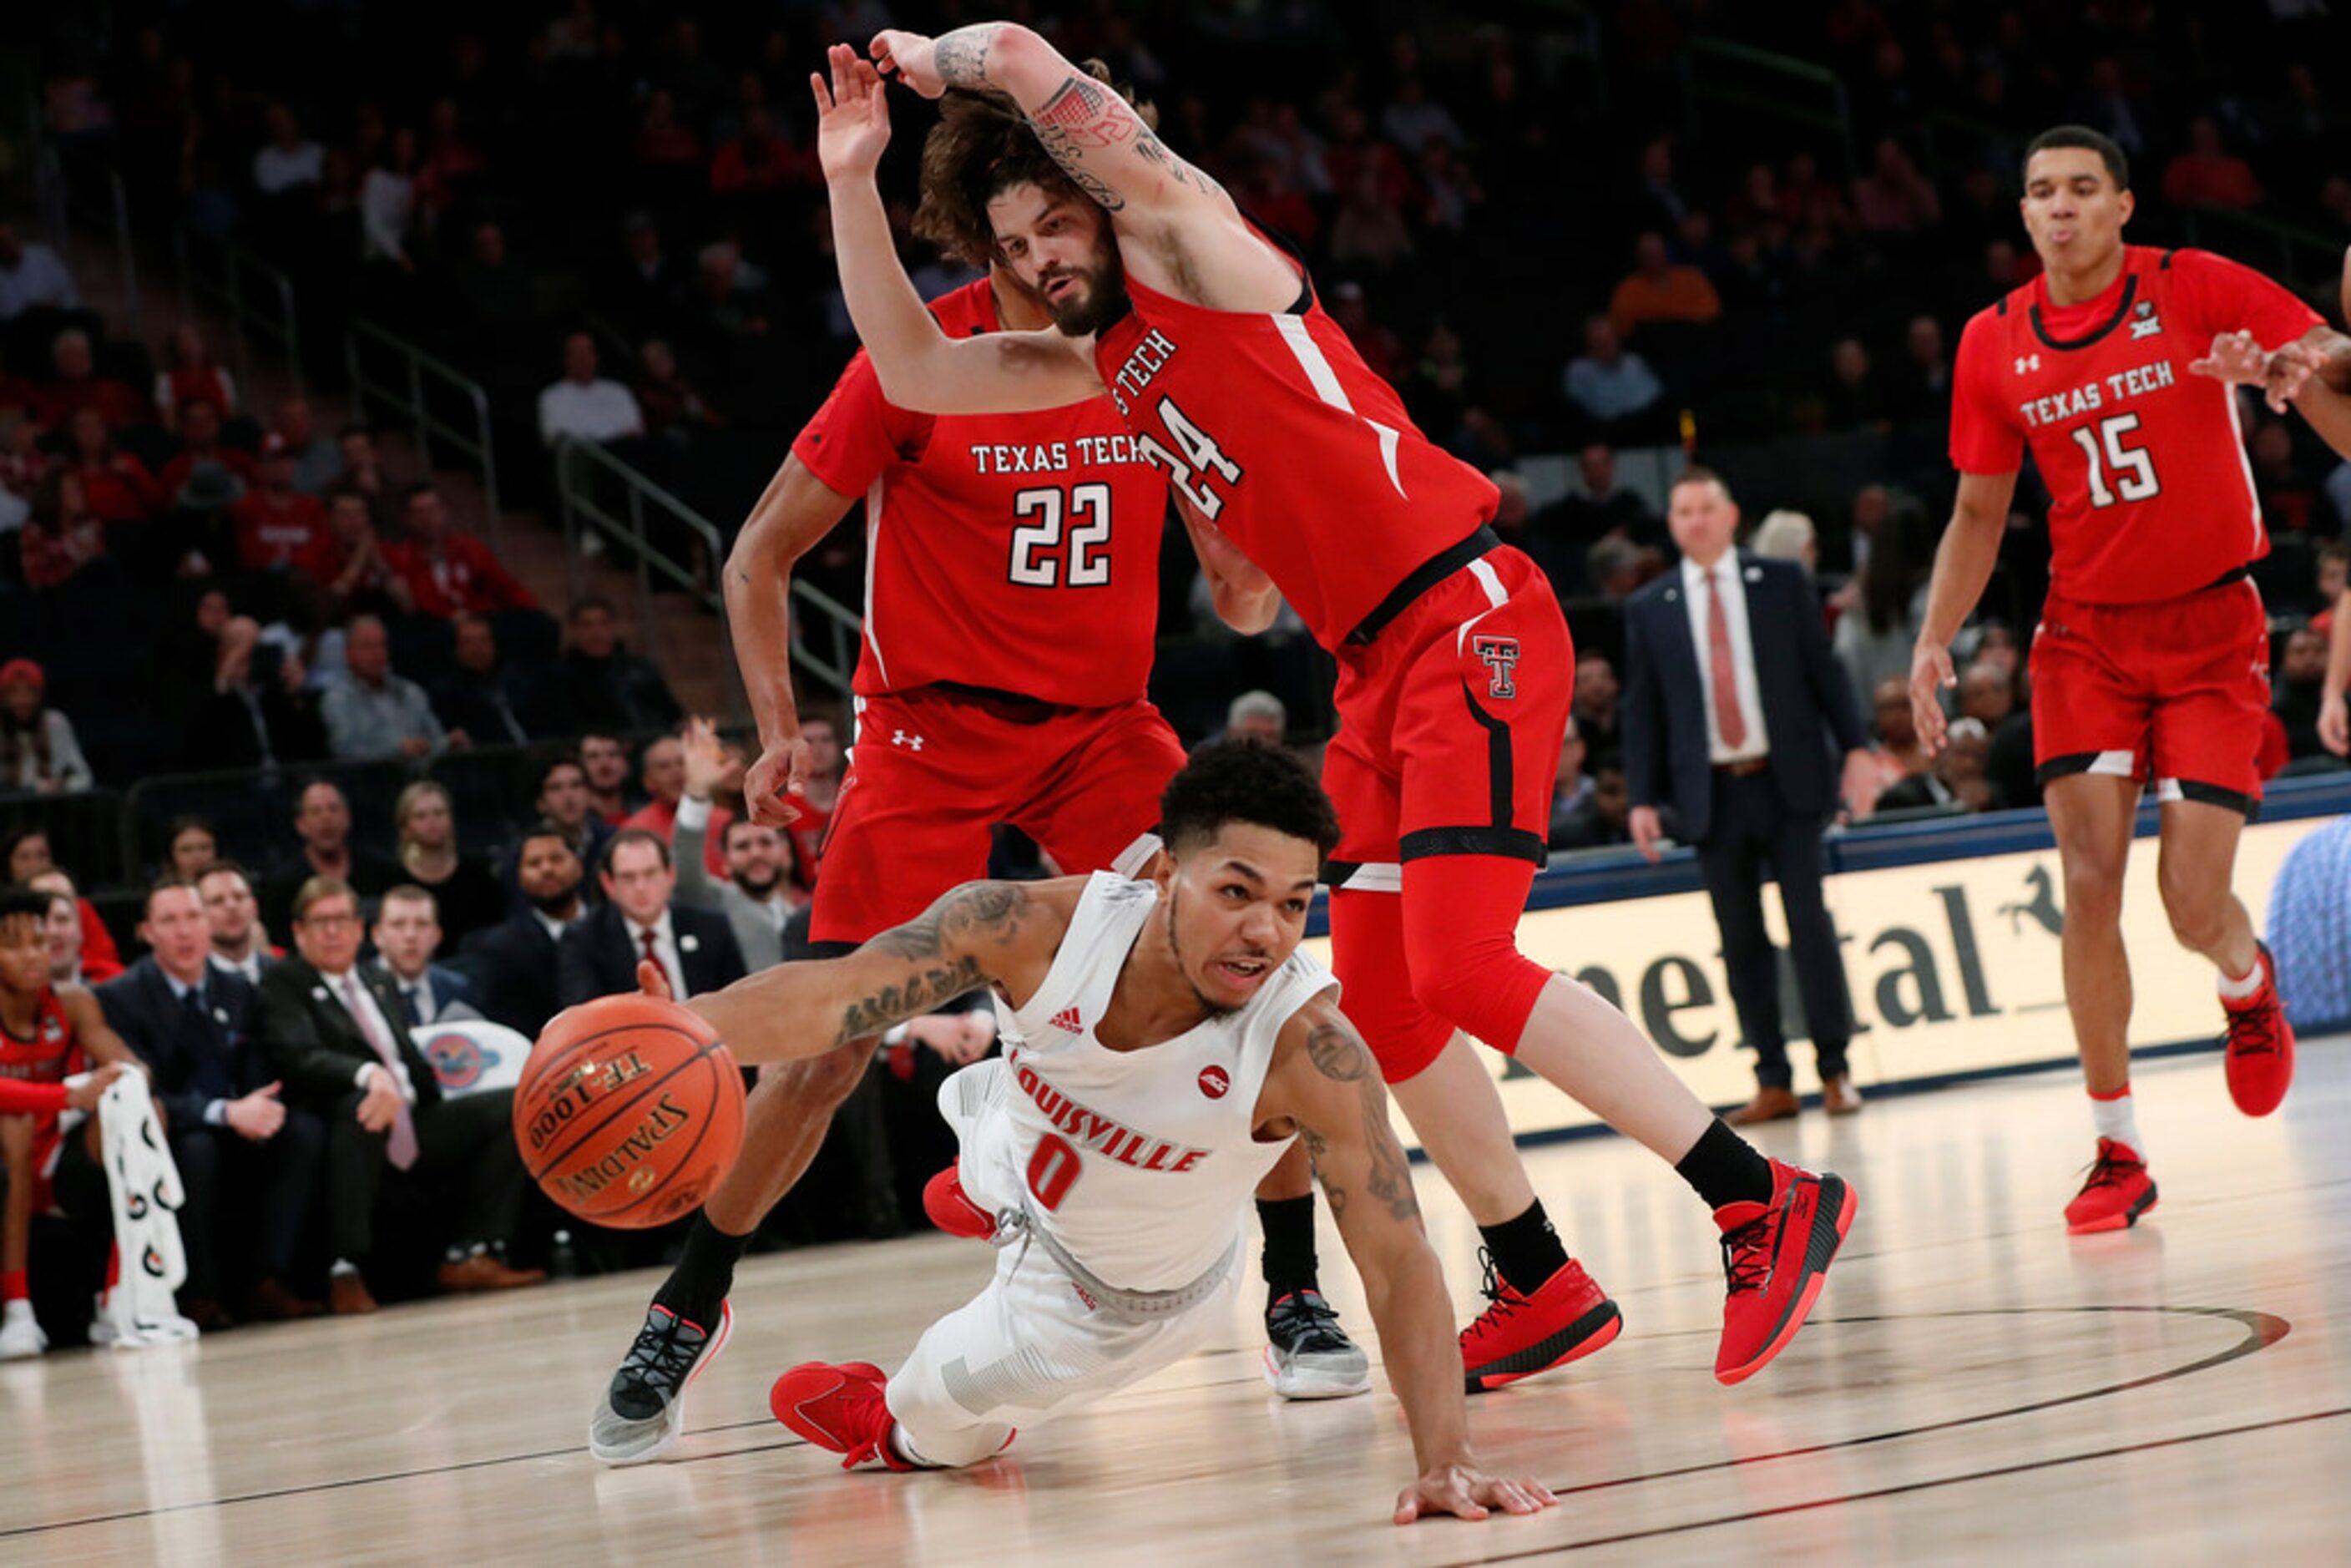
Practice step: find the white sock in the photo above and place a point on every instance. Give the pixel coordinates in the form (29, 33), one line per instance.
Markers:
(2237, 990)
(18, 1311)
(2114, 1119)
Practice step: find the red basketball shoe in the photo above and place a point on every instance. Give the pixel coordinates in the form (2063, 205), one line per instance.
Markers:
(1516, 1336)
(952, 1210)
(2117, 1192)
(1776, 1258)
(2259, 1063)
(839, 1408)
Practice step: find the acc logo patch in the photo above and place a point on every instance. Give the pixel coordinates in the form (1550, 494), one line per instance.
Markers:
(1216, 1082)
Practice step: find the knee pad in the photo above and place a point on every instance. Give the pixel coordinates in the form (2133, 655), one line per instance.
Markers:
(1367, 953)
(1460, 928)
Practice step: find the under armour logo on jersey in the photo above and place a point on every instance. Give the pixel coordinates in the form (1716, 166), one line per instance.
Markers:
(2149, 323)
(900, 738)
(1068, 1021)
(1501, 657)
(2027, 362)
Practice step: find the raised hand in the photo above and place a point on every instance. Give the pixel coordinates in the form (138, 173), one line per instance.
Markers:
(2239, 358)
(1468, 1493)
(705, 760)
(911, 58)
(853, 118)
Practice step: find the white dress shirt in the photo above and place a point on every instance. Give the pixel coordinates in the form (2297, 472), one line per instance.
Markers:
(1698, 586)
(548, 922)
(392, 1031)
(600, 410)
(664, 948)
(248, 967)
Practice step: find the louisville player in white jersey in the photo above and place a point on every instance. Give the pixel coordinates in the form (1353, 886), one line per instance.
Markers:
(1010, 605)
(1167, 1041)
(1454, 663)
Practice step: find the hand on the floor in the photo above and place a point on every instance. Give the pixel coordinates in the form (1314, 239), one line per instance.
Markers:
(1468, 1493)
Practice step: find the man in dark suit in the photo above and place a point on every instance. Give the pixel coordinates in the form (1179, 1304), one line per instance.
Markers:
(495, 703)
(323, 820)
(248, 1163)
(637, 921)
(407, 931)
(1730, 703)
(332, 1033)
(512, 965)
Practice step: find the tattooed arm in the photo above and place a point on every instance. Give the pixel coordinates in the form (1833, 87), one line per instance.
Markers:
(1325, 1082)
(984, 933)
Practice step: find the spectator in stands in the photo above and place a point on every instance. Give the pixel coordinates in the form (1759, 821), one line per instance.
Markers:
(753, 159)
(647, 291)
(118, 486)
(1368, 233)
(447, 571)
(610, 690)
(451, 162)
(1784, 535)
(316, 460)
(1956, 778)
(2301, 685)
(563, 800)
(1609, 385)
(62, 535)
(1596, 707)
(726, 302)
(31, 277)
(289, 161)
(1381, 350)
(674, 406)
(1895, 756)
(200, 442)
(329, 1030)
(1852, 400)
(639, 920)
(74, 955)
(1257, 715)
(1659, 289)
(192, 375)
(1876, 635)
(364, 475)
(279, 528)
(2208, 175)
(1919, 389)
(26, 857)
(388, 203)
(1598, 508)
(662, 773)
(78, 385)
(583, 405)
(513, 965)
(370, 712)
(323, 820)
(1615, 567)
(821, 792)
(191, 848)
(661, 138)
(759, 896)
(233, 914)
(1987, 694)
(492, 292)
(38, 750)
(256, 711)
(604, 759)
(1571, 793)
(353, 567)
(247, 1165)
(2289, 499)
(466, 895)
(493, 704)
(1893, 197)
(407, 934)
(1411, 119)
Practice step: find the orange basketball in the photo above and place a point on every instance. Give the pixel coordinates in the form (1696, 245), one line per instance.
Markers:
(629, 1112)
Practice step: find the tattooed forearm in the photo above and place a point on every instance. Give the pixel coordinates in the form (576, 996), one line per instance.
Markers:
(1339, 1054)
(1317, 1146)
(922, 990)
(1084, 116)
(961, 56)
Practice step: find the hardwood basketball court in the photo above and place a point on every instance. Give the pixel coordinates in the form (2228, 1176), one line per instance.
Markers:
(1973, 1385)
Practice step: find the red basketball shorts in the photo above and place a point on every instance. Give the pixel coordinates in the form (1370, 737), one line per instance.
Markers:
(1450, 722)
(2171, 694)
(933, 771)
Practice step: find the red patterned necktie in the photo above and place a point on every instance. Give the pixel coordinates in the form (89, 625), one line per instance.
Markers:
(1727, 719)
(402, 1149)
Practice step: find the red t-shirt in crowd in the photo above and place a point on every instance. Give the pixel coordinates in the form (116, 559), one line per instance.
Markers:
(176, 473)
(660, 817)
(462, 577)
(288, 530)
(2152, 494)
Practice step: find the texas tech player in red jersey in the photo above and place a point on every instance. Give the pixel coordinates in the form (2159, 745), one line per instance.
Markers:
(2151, 661)
(1454, 664)
(1011, 599)
(48, 1035)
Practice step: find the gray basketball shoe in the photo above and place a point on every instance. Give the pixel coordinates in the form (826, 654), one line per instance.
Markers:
(644, 1411)
(1308, 1355)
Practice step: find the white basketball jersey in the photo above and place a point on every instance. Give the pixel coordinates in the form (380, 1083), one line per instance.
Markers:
(1139, 1163)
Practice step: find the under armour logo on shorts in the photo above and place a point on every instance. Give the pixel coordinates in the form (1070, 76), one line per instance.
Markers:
(1501, 657)
(900, 738)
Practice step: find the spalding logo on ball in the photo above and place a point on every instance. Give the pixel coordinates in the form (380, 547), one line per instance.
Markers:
(630, 1110)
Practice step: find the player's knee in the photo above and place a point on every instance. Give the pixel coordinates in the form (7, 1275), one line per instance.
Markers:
(1481, 982)
(2198, 910)
(2093, 888)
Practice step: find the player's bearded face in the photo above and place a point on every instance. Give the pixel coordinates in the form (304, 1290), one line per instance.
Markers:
(1060, 249)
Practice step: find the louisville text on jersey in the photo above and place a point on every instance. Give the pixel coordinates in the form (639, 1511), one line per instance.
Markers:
(1111, 1138)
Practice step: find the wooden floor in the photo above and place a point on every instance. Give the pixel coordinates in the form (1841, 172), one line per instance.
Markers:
(1973, 1385)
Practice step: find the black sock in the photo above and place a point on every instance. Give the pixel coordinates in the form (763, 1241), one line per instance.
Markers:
(1726, 1168)
(1289, 1256)
(1527, 1250)
(697, 1286)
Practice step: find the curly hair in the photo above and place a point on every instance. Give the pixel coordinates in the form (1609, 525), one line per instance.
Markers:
(1246, 781)
(983, 146)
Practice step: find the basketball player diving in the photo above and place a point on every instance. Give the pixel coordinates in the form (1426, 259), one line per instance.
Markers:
(1165, 1043)
(1455, 665)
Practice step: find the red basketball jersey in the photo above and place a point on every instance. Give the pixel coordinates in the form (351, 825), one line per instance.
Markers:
(1275, 429)
(1014, 551)
(51, 1055)
(2151, 493)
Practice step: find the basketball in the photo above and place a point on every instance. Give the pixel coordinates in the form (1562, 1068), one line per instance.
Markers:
(629, 1112)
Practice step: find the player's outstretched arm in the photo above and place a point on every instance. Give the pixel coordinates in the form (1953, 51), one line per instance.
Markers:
(919, 367)
(981, 933)
(1963, 564)
(797, 510)
(1325, 1080)
(1245, 596)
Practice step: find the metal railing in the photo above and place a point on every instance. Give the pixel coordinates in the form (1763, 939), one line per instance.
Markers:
(1745, 77)
(258, 297)
(580, 465)
(409, 392)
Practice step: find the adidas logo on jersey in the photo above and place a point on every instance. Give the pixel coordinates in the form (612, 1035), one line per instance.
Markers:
(1068, 1021)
